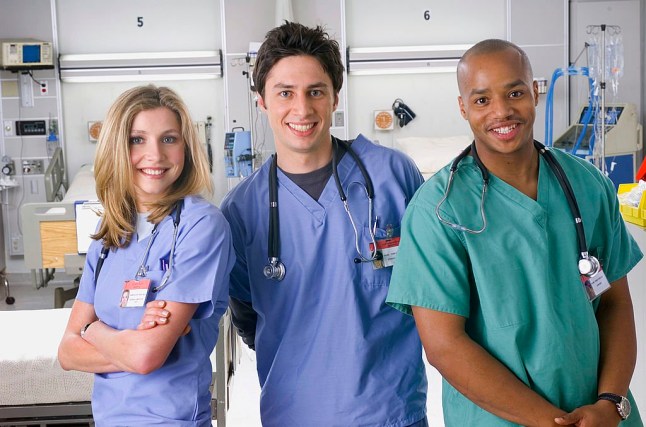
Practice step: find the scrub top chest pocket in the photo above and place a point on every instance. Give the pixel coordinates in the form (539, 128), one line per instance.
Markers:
(376, 274)
(130, 314)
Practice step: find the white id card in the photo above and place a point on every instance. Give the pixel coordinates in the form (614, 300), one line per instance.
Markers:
(595, 285)
(134, 293)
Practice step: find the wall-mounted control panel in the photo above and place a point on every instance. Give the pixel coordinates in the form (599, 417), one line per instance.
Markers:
(32, 167)
(31, 127)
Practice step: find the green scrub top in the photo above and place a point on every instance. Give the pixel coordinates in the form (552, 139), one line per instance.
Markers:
(517, 283)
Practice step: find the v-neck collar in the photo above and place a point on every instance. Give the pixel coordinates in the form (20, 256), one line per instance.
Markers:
(329, 195)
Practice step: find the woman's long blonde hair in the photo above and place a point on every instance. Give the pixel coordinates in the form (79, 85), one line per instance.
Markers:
(114, 173)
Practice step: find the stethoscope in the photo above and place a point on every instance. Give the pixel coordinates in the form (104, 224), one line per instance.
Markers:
(141, 271)
(275, 269)
(588, 265)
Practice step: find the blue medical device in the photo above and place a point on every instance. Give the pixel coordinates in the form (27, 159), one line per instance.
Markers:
(586, 121)
(237, 154)
(623, 132)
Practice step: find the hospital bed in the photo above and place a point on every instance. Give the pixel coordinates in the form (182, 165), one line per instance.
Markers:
(35, 390)
(56, 233)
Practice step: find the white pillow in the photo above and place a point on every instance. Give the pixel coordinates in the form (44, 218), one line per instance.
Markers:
(432, 153)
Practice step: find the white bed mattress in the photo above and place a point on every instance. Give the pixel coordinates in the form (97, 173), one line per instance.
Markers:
(83, 186)
(29, 368)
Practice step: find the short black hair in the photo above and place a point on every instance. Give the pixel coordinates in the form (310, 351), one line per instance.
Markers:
(293, 39)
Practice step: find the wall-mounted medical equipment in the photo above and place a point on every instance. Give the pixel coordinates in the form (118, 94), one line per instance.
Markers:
(238, 157)
(623, 139)
(26, 54)
(8, 166)
(31, 127)
(384, 120)
(403, 112)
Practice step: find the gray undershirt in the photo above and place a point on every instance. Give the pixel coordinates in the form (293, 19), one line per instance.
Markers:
(314, 182)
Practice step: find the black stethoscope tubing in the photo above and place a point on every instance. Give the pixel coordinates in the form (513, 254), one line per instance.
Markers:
(369, 187)
(275, 269)
(176, 214)
(569, 196)
(561, 177)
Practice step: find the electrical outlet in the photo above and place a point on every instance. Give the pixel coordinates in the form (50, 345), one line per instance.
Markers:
(44, 89)
(338, 119)
(16, 246)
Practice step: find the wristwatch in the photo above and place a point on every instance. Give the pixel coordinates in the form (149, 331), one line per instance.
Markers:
(622, 404)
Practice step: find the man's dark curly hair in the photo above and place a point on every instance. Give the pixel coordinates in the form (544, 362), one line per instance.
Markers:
(293, 39)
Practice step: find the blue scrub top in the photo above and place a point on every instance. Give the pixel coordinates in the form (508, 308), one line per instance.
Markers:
(330, 352)
(178, 392)
(516, 283)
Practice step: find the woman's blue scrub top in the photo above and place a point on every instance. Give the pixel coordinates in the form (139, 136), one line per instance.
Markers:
(517, 283)
(330, 352)
(178, 392)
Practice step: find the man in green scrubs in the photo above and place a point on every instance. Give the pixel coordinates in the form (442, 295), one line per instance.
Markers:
(503, 313)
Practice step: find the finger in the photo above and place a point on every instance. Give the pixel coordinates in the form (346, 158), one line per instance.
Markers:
(146, 325)
(156, 304)
(156, 312)
(568, 419)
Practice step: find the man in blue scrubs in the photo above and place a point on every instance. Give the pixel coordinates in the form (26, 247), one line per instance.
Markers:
(330, 352)
(501, 301)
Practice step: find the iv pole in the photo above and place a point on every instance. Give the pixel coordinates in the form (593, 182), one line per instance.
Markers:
(591, 29)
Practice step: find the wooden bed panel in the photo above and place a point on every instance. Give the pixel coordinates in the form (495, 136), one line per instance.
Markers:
(57, 239)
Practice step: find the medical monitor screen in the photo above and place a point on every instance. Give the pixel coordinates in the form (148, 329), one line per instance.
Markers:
(31, 53)
(612, 115)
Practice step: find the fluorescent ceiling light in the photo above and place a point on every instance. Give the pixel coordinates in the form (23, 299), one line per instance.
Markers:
(404, 59)
(145, 66)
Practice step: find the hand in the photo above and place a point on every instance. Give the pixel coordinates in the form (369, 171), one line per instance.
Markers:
(601, 414)
(156, 314)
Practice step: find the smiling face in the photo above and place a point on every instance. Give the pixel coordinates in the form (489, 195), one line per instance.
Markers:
(156, 154)
(299, 101)
(498, 97)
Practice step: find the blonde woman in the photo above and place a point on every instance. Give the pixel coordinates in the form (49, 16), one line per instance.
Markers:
(158, 240)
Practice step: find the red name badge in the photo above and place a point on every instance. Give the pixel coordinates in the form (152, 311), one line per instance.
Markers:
(134, 293)
(388, 249)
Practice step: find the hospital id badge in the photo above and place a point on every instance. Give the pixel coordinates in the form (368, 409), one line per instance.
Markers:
(134, 293)
(387, 251)
(595, 285)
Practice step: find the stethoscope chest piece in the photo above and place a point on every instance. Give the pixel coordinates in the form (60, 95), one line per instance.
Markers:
(275, 269)
(589, 266)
